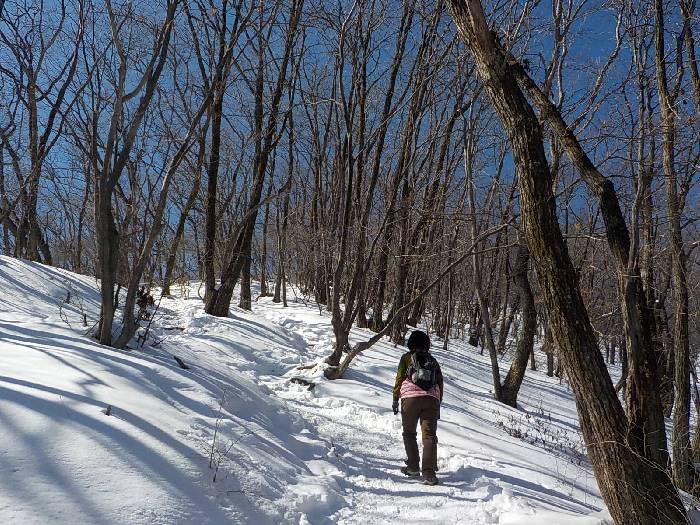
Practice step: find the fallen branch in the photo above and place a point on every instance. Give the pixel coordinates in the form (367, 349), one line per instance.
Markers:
(336, 372)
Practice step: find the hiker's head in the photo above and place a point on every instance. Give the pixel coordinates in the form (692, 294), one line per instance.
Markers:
(418, 341)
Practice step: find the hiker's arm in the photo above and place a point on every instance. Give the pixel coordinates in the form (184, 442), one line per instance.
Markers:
(440, 382)
(400, 376)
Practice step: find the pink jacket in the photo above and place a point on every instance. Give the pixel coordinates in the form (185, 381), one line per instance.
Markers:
(410, 389)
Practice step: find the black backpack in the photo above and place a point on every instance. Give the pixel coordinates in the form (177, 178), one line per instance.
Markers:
(423, 370)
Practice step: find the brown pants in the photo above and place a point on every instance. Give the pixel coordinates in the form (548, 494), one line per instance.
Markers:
(427, 410)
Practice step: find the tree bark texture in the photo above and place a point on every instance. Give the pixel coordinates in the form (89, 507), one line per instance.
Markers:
(623, 476)
(514, 378)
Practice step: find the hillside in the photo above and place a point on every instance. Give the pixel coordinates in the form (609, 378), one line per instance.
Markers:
(286, 453)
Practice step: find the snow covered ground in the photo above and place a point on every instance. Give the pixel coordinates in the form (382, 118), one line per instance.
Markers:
(285, 453)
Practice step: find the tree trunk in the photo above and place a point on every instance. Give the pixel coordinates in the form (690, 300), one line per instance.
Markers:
(210, 217)
(696, 401)
(683, 470)
(219, 303)
(621, 473)
(277, 297)
(382, 266)
(108, 258)
(514, 378)
(646, 426)
(548, 349)
(264, 291)
(245, 299)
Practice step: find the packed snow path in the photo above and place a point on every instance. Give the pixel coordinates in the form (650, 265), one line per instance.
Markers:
(286, 453)
(485, 476)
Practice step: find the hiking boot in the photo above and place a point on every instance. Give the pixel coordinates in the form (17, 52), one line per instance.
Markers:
(408, 471)
(429, 478)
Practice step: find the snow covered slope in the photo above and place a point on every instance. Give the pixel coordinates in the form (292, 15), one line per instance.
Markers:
(285, 453)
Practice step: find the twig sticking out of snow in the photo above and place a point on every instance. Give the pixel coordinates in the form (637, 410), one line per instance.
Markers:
(216, 429)
(224, 455)
(216, 454)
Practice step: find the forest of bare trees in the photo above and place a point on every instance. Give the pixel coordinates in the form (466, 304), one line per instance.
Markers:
(522, 175)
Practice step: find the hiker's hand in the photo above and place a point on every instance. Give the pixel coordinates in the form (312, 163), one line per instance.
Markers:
(395, 406)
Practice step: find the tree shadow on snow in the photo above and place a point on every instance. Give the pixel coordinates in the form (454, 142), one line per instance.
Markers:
(133, 451)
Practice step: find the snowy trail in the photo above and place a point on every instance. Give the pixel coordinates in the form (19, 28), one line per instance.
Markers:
(287, 454)
(480, 482)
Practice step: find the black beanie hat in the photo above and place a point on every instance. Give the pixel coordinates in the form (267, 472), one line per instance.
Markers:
(418, 340)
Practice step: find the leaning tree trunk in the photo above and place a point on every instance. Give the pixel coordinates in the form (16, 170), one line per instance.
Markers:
(646, 425)
(514, 378)
(621, 473)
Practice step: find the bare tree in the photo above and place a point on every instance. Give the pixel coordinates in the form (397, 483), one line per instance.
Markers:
(683, 469)
(42, 75)
(621, 474)
(266, 135)
(110, 164)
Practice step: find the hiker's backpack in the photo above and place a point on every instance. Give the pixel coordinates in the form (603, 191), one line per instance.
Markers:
(423, 375)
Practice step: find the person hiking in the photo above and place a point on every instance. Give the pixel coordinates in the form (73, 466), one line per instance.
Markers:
(419, 385)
